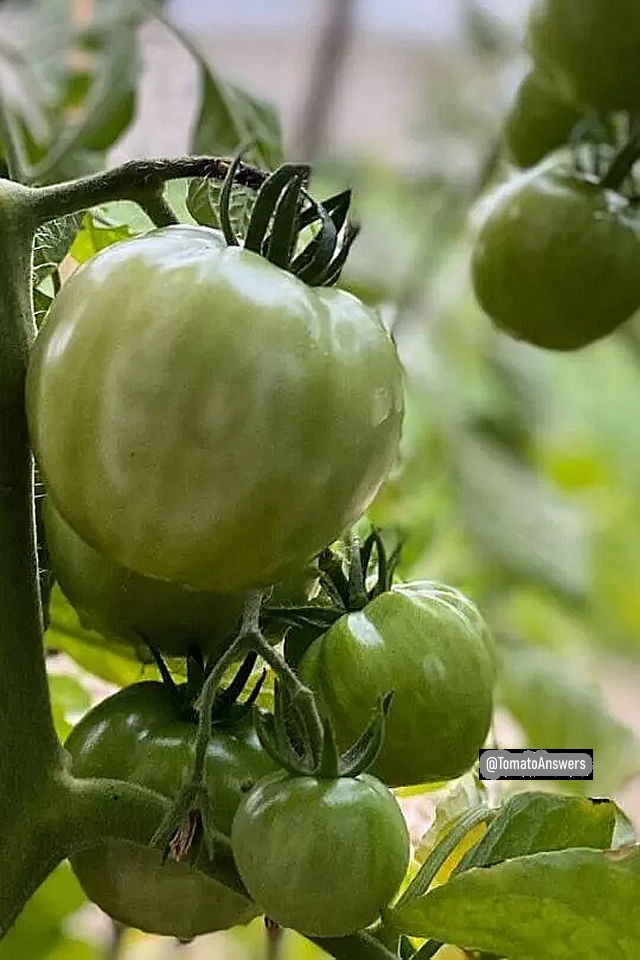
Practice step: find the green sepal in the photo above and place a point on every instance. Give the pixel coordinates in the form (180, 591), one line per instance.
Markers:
(332, 274)
(265, 204)
(225, 198)
(329, 766)
(281, 241)
(365, 751)
(316, 256)
(265, 729)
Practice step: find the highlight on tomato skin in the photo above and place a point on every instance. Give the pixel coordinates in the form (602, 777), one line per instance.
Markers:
(152, 446)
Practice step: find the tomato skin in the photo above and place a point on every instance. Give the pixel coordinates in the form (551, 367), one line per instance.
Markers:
(125, 605)
(428, 643)
(590, 49)
(136, 736)
(556, 261)
(321, 856)
(202, 416)
(538, 122)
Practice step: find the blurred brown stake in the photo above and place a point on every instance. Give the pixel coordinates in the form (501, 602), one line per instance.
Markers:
(330, 56)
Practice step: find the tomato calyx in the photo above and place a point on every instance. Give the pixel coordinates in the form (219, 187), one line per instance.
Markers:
(227, 708)
(283, 736)
(283, 214)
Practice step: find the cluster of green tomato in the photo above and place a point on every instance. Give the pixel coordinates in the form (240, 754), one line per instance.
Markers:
(205, 423)
(556, 260)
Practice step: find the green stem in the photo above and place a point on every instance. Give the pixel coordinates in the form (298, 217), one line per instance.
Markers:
(302, 698)
(30, 841)
(359, 946)
(28, 746)
(158, 209)
(136, 180)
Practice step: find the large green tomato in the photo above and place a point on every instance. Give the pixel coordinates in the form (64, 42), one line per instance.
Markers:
(136, 735)
(128, 606)
(556, 261)
(539, 121)
(429, 645)
(202, 416)
(590, 49)
(321, 856)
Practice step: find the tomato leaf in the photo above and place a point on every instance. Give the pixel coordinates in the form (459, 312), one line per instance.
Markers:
(203, 198)
(110, 103)
(228, 117)
(518, 519)
(52, 243)
(559, 712)
(97, 232)
(69, 700)
(41, 932)
(111, 661)
(540, 822)
(560, 905)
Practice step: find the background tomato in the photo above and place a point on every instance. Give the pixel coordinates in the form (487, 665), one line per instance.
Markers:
(539, 121)
(120, 603)
(556, 261)
(203, 416)
(591, 50)
(137, 736)
(429, 645)
(321, 856)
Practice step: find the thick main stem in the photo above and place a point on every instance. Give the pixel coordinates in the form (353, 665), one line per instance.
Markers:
(28, 745)
(29, 750)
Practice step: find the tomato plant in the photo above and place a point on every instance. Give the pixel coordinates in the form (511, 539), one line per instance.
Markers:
(539, 121)
(321, 855)
(120, 603)
(590, 49)
(201, 415)
(210, 417)
(556, 260)
(138, 735)
(428, 644)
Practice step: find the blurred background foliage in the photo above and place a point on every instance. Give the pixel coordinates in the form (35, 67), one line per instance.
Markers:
(519, 480)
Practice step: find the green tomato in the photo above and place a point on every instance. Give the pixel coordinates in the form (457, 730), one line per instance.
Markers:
(429, 645)
(539, 121)
(321, 856)
(128, 606)
(590, 49)
(202, 416)
(556, 261)
(136, 736)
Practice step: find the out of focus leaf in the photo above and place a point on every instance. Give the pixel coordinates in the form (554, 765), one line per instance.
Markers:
(556, 710)
(230, 118)
(202, 202)
(112, 661)
(52, 243)
(110, 103)
(69, 700)
(39, 932)
(97, 232)
(518, 519)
